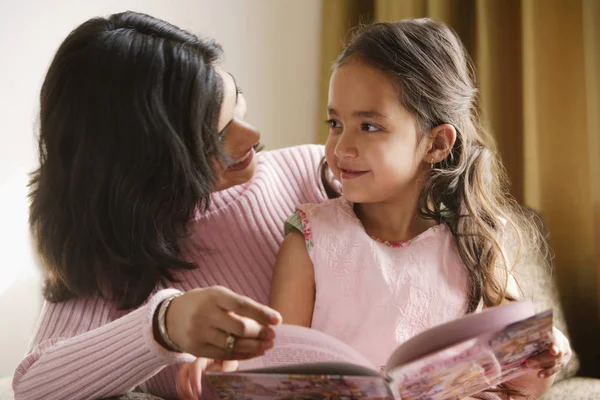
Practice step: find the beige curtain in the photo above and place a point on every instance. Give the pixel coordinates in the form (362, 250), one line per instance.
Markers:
(538, 69)
(338, 18)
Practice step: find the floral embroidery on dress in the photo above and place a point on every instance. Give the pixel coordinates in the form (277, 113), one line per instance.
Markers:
(404, 243)
(348, 211)
(306, 229)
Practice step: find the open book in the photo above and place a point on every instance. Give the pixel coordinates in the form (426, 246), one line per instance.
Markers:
(453, 360)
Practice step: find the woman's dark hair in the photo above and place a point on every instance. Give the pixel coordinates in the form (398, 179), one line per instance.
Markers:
(468, 190)
(127, 147)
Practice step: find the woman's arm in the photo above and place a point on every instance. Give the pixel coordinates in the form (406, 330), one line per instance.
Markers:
(86, 348)
(293, 282)
(79, 352)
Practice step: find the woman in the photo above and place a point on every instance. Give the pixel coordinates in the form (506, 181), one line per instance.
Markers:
(149, 195)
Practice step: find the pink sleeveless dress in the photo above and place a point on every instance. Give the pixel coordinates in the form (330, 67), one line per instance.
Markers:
(375, 295)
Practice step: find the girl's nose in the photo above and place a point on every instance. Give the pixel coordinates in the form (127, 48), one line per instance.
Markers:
(346, 147)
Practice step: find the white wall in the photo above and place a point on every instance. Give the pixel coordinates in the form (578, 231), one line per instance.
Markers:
(271, 46)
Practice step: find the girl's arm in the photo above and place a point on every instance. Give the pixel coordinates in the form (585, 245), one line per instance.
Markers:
(293, 282)
(543, 367)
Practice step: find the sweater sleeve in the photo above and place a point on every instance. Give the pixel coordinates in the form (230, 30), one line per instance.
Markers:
(86, 348)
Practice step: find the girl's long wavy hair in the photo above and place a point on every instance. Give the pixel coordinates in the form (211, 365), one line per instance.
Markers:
(127, 144)
(468, 190)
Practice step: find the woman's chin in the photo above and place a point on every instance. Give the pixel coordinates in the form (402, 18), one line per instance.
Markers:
(234, 178)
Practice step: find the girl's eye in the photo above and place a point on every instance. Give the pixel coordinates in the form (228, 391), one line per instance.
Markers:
(369, 128)
(333, 124)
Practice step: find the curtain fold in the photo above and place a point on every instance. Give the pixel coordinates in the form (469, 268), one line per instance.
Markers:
(338, 18)
(538, 71)
(561, 138)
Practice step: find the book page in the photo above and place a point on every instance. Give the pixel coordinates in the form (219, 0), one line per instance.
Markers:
(453, 332)
(297, 345)
(303, 364)
(254, 386)
(476, 364)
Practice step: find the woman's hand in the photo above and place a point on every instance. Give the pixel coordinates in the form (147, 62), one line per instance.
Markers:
(217, 323)
(189, 376)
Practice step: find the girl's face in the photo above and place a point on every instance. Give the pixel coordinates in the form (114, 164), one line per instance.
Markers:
(374, 145)
(239, 138)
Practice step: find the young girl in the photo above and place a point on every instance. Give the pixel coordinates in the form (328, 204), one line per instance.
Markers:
(417, 237)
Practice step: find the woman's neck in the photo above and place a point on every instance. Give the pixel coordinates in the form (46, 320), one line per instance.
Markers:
(396, 220)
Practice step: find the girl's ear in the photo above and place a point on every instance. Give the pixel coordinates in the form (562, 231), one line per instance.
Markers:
(442, 139)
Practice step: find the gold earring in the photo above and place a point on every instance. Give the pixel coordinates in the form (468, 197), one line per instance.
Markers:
(431, 162)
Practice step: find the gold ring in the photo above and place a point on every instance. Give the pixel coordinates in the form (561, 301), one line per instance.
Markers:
(230, 343)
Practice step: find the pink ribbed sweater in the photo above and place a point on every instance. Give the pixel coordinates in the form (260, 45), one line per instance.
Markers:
(86, 348)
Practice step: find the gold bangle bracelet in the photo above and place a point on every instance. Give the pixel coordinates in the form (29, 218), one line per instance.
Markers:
(162, 323)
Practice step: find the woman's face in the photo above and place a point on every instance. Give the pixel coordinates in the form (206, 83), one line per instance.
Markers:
(239, 138)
